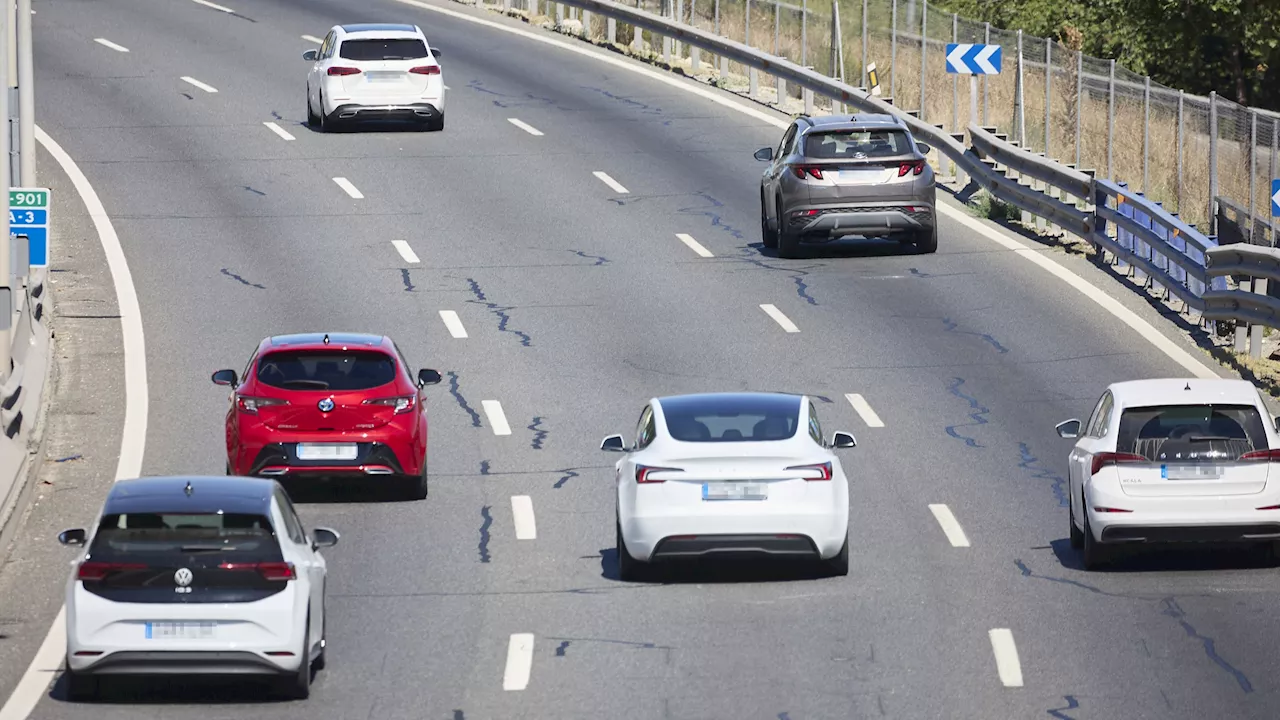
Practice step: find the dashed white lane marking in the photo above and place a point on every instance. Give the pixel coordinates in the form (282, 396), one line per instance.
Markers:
(522, 511)
(313, 38)
(950, 526)
(523, 125)
(453, 323)
(215, 6)
(493, 409)
(613, 184)
(863, 408)
(1007, 663)
(350, 189)
(107, 43)
(519, 662)
(405, 251)
(278, 130)
(779, 318)
(197, 83)
(694, 245)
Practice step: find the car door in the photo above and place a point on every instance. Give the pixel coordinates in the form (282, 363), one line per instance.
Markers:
(777, 167)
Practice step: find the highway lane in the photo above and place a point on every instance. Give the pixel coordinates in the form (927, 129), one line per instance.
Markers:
(646, 311)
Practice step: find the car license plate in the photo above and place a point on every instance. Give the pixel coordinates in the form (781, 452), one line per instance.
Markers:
(383, 77)
(734, 491)
(859, 177)
(180, 630)
(327, 451)
(1190, 472)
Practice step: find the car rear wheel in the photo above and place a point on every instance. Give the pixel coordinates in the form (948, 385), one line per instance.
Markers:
(768, 236)
(629, 568)
(81, 687)
(1077, 537)
(927, 241)
(1096, 555)
(298, 684)
(788, 245)
(416, 485)
(839, 565)
(312, 119)
(436, 124)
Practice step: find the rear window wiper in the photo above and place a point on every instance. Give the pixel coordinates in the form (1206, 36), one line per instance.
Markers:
(206, 548)
(1210, 438)
(314, 383)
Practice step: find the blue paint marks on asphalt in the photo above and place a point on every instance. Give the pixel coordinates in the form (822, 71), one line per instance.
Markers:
(568, 475)
(599, 260)
(1026, 572)
(642, 107)
(538, 434)
(1173, 610)
(1059, 713)
(977, 415)
(514, 100)
(462, 402)
(564, 645)
(711, 208)
(499, 310)
(1057, 482)
(484, 533)
(484, 467)
(950, 326)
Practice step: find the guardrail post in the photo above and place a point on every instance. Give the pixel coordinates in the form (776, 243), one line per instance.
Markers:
(1159, 258)
(1123, 237)
(695, 52)
(924, 52)
(1255, 331)
(1111, 117)
(1213, 162)
(679, 8)
(611, 30)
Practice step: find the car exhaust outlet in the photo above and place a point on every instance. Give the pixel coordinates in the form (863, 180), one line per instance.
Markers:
(377, 470)
(273, 471)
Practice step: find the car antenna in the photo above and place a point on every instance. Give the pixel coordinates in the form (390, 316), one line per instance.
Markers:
(326, 338)
(187, 489)
(1188, 387)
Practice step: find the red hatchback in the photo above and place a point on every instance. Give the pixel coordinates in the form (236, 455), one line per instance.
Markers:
(328, 405)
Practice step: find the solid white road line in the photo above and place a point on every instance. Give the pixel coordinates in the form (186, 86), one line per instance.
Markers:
(781, 319)
(347, 187)
(405, 251)
(107, 43)
(133, 437)
(950, 526)
(613, 184)
(197, 83)
(453, 323)
(863, 408)
(215, 6)
(278, 130)
(522, 511)
(694, 245)
(523, 125)
(314, 39)
(1007, 663)
(519, 662)
(493, 409)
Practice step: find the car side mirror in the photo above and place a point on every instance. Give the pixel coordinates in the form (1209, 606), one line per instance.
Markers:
(1069, 429)
(764, 154)
(323, 537)
(843, 440)
(72, 537)
(613, 443)
(435, 52)
(427, 376)
(224, 377)
(311, 55)
(924, 149)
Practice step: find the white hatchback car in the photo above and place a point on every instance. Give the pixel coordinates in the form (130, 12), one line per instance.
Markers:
(374, 71)
(730, 473)
(196, 575)
(1173, 460)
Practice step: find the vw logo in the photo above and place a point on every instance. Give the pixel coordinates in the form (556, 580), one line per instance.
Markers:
(182, 577)
(325, 405)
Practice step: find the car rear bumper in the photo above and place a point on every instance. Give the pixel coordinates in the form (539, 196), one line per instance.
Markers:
(372, 458)
(825, 223)
(387, 111)
(183, 662)
(664, 537)
(1192, 519)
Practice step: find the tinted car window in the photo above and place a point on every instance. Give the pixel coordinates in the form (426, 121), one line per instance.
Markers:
(169, 539)
(326, 370)
(731, 419)
(857, 143)
(388, 49)
(1191, 433)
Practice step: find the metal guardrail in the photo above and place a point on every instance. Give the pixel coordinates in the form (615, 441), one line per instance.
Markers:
(22, 392)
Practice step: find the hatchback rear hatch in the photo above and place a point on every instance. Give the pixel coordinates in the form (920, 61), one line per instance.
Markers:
(387, 66)
(329, 390)
(874, 163)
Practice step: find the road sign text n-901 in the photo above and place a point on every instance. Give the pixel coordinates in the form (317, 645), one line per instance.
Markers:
(1275, 198)
(29, 215)
(972, 59)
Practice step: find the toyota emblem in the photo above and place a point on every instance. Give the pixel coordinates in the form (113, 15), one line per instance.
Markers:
(325, 405)
(182, 577)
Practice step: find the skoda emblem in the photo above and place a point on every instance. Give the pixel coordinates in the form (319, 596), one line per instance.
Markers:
(182, 577)
(325, 405)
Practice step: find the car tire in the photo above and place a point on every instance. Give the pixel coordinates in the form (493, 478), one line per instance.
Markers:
(927, 241)
(417, 484)
(297, 685)
(838, 566)
(1077, 537)
(81, 687)
(312, 119)
(436, 124)
(768, 237)
(326, 125)
(324, 640)
(629, 569)
(788, 245)
(1096, 555)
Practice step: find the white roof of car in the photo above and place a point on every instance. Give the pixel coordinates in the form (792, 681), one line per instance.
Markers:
(396, 31)
(1184, 391)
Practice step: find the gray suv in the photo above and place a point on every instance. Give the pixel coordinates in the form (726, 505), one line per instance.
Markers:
(840, 175)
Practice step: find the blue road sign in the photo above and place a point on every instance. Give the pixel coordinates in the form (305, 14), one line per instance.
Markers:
(29, 215)
(971, 59)
(1275, 198)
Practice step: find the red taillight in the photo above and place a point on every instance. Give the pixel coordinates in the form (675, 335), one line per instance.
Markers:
(93, 571)
(268, 570)
(643, 472)
(823, 470)
(344, 71)
(1109, 509)
(1263, 455)
(402, 404)
(250, 404)
(911, 167)
(1104, 459)
(1270, 507)
(812, 171)
(425, 70)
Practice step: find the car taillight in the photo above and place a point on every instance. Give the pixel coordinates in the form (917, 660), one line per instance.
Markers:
(269, 570)
(425, 70)
(93, 571)
(402, 404)
(1104, 459)
(812, 171)
(1263, 455)
(643, 472)
(911, 167)
(823, 470)
(344, 71)
(250, 404)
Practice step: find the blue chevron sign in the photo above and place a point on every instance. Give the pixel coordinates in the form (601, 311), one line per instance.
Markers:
(968, 59)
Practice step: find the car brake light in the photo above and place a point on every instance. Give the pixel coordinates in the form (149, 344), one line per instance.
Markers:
(93, 571)
(1263, 455)
(823, 470)
(425, 70)
(344, 71)
(403, 404)
(811, 170)
(917, 167)
(1104, 459)
(1270, 507)
(1109, 510)
(250, 404)
(643, 472)
(274, 571)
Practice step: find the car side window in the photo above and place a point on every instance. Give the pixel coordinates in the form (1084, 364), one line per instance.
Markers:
(292, 525)
(1104, 416)
(1093, 417)
(787, 137)
(326, 50)
(248, 367)
(815, 428)
(645, 429)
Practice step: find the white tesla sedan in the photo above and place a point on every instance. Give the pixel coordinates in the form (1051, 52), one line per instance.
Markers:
(730, 473)
(1173, 460)
(196, 575)
(370, 71)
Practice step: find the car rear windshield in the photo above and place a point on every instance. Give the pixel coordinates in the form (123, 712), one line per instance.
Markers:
(736, 419)
(326, 370)
(164, 538)
(379, 49)
(1191, 433)
(857, 144)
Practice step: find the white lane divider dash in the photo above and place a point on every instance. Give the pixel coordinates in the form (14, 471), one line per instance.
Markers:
(523, 126)
(519, 662)
(493, 409)
(1007, 664)
(522, 512)
(863, 408)
(453, 323)
(313, 38)
(197, 83)
(278, 130)
(215, 6)
(107, 43)
(613, 184)
(779, 318)
(694, 245)
(350, 189)
(950, 526)
(405, 251)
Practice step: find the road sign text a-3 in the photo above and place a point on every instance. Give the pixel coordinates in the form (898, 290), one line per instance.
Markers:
(29, 215)
(974, 59)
